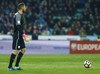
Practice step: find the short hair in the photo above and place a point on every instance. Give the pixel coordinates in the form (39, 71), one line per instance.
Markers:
(20, 5)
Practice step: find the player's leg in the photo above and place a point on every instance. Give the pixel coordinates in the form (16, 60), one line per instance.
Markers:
(15, 51)
(20, 56)
(23, 49)
(12, 57)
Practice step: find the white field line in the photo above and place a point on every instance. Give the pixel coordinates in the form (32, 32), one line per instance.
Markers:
(63, 57)
(50, 65)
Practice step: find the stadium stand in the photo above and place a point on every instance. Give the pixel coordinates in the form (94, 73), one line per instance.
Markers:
(53, 17)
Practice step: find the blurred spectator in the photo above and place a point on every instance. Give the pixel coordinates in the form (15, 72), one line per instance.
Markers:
(1, 27)
(42, 33)
(82, 31)
(6, 10)
(96, 30)
(62, 32)
(29, 30)
(55, 32)
(44, 2)
(11, 5)
(41, 20)
(1, 9)
(57, 27)
(7, 18)
(51, 24)
(41, 14)
(39, 32)
(88, 26)
(76, 32)
(63, 24)
(56, 20)
(10, 32)
(70, 32)
(34, 35)
(90, 31)
(47, 32)
(45, 26)
(79, 4)
(40, 6)
(1, 18)
(2, 32)
(87, 4)
(35, 27)
(59, 24)
(8, 26)
(73, 27)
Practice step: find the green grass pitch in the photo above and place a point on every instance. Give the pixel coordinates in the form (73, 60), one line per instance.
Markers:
(53, 64)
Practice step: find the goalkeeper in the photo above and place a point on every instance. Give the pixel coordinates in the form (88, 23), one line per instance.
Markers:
(18, 42)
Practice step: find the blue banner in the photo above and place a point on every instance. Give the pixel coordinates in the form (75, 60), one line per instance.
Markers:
(92, 38)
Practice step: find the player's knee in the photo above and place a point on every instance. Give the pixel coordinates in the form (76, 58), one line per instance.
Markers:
(23, 50)
(15, 52)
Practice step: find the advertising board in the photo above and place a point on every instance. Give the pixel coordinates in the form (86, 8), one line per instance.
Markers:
(38, 47)
(84, 47)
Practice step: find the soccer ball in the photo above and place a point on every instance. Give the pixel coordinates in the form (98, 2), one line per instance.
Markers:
(87, 64)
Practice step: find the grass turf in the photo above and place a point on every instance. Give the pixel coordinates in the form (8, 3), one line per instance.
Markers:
(53, 64)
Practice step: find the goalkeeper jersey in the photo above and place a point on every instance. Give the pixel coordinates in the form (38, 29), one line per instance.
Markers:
(18, 24)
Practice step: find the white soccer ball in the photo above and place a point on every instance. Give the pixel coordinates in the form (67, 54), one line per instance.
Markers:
(87, 64)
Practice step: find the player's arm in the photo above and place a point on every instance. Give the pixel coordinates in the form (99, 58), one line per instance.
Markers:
(19, 28)
(23, 34)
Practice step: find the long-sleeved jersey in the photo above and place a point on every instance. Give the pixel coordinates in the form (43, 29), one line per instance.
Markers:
(18, 24)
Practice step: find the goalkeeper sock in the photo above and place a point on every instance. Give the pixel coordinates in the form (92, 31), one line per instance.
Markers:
(18, 59)
(11, 60)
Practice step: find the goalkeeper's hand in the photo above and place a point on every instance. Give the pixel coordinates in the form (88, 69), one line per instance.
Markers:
(26, 37)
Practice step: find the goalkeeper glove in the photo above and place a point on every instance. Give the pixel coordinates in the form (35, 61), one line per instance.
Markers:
(26, 37)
